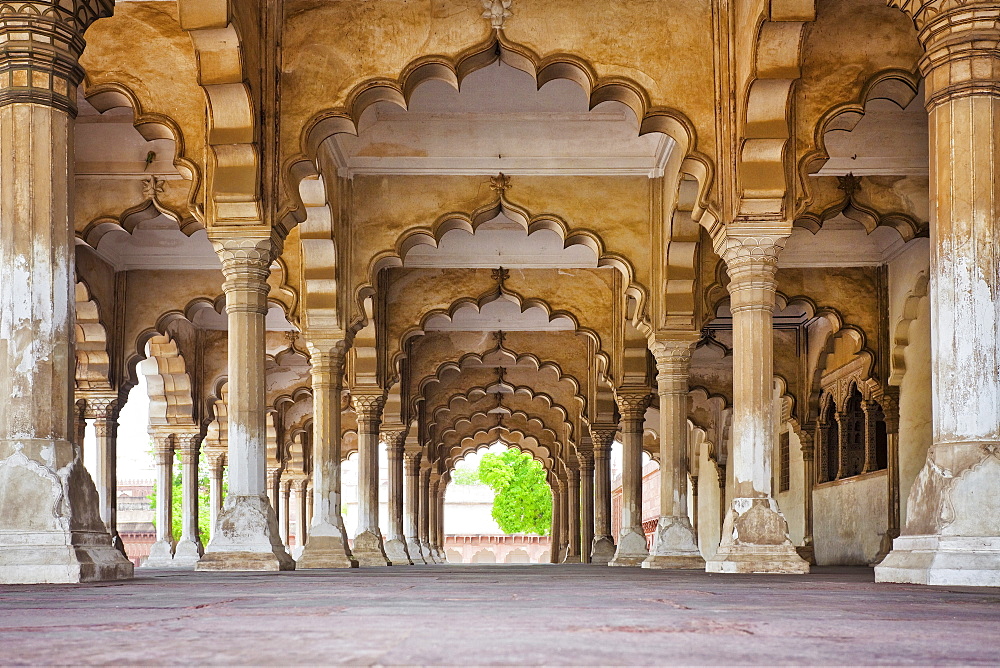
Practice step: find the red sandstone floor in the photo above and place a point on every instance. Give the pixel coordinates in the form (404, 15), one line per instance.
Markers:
(477, 614)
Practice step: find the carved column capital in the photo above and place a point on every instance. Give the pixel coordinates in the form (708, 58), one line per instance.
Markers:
(632, 404)
(586, 461)
(394, 440)
(246, 264)
(188, 444)
(673, 361)
(327, 360)
(368, 408)
(411, 463)
(40, 45)
(961, 40)
(603, 436)
(807, 445)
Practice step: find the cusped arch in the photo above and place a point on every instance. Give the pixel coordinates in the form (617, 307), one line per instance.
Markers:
(93, 363)
(901, 332)
(167, 383)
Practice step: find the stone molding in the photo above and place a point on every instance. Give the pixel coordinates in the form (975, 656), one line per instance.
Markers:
(327, 365)
(673, 363)
(40, 45)
(961, 40)
(246, 265)
(368, 408)
(394, 440)
(632, 404)
(603, 438)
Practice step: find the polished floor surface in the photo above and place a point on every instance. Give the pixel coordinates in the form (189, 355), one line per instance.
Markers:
(478, 614)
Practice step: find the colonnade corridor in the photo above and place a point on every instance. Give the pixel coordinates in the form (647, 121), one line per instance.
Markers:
(502, 614)
(723, 274)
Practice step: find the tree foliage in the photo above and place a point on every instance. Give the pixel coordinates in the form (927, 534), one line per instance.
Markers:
(466, 476)
(523, 502)
(204, 513)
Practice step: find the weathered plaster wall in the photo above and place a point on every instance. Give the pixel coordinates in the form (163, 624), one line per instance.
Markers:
(790, 502)
(849, 518)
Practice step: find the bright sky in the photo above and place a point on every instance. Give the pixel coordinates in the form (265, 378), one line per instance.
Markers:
(134, 460)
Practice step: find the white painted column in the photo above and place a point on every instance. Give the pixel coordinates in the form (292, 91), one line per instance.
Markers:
(246, 536)
(161, 553)
(675, 545)
(286, 508)
(395, 544)
(369, 549)
(327, 546)
(755, 533)
(411, 464)
(585, 457)
(216, 467)
(603, 549)
(302, 515)
(56, 535)
(632, 405)
(952, 532)
(104, 411)
(189, 548)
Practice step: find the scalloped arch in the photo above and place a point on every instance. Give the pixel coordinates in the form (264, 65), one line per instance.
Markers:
(93, 363)
(901, 333)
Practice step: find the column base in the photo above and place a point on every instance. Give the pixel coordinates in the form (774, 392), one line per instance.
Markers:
(573, 559)
(246, 538)
(161, 555)
(413, 549)
(396, 553)
(943, 560)
(807, 552)
(884, 548)
(326, 547)
(116, 542)
(602, 551)
(45, 558)
(755, 540)
(187, 553)
(369, 550)
(632, 550)
(675, 546)
(69, 542)
(441, 556)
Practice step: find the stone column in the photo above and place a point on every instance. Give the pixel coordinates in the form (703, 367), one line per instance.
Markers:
(327, 546)
(723, 506)
(433, 519)
(556, 540)
(952, 533)
(395, 544)
(411, 466)
(603, 550)
(80, 427)
(302, 515)
(216, 467)
(632, 551)
(754, 533)
(246, 537)
(890, 411)
(55, 534)
(161, 553)
(808, 549)
(104, 411)
(676, 544)
(286, 507)
(442, 488)
(585, 456)
(368, 547)
(310, 497)
(573, 517)
(273, 478)
(189, 548)
(424, 512)
(694, 504)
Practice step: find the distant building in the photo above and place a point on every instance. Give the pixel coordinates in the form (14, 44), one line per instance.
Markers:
(135, 518)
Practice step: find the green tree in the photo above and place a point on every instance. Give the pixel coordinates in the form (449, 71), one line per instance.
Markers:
(523, 502)
(465, 476)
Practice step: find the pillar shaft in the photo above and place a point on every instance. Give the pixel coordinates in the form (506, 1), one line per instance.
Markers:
(104, 411)
(369, 549)
(189, 549)
(808, 549)
(432, 516)
(161, 553)
(56, 534)
(425, 513)
(603, 546)
(302, 515)
(285, 520)
(395, 544)
(755, 533)
(327, 546)
(556, 540)
(631, 550)
(675, 544)
(573, 555)
(246, 537)
(586, 459)
(216, 466)
(411, 463)
(952, 533)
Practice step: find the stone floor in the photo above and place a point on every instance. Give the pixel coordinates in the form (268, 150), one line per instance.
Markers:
(478, 614)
